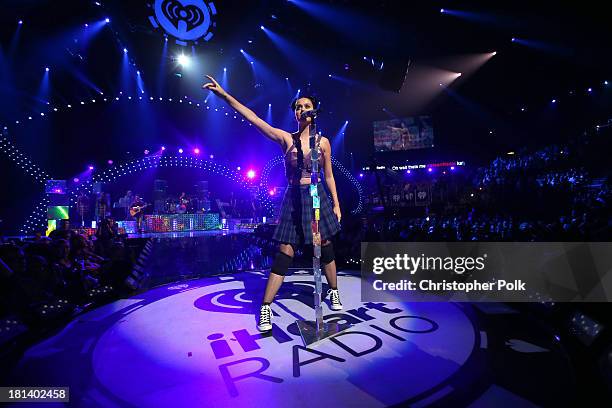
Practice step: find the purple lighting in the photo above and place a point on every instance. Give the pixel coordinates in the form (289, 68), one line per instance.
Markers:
(110, 162)
(76, 179)
(180, 150)
(452, 168)
(163, 148)
(271, 192)
(361, 175)
(91, 167)
(251, 174)
(196, 150)
(430, 169)
(408, 172)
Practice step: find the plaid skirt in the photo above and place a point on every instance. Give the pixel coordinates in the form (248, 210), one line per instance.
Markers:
(296, 215)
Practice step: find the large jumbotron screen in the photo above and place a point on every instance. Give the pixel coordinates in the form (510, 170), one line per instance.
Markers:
(403, 134)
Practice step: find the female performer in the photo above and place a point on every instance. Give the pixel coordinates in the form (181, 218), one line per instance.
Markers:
(295, 227)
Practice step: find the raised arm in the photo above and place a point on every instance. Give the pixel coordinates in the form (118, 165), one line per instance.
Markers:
(272, 133)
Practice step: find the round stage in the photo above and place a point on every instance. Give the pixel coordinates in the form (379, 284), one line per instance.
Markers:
(195, 344)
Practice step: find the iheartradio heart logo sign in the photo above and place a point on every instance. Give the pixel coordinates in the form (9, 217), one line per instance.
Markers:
(188, 21)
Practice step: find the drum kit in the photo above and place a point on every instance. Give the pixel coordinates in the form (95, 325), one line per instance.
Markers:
(178, 205)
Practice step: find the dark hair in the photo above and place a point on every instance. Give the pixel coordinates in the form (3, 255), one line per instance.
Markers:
(313, 99)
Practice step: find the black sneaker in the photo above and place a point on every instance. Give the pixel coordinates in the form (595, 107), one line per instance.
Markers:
(334, 297)
(265, 318)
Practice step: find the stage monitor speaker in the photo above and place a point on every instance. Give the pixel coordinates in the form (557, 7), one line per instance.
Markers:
(393, 73)
(160, 185)
(201, 186)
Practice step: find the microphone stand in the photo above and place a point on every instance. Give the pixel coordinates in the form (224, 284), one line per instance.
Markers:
(317, 330)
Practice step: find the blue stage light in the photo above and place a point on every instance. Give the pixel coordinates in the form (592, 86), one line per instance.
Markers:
(107, 20)
(513, 39)
(442, 10)
(224, 69)
(47, 69)
(262, 27)
(554, 101)
(20, 22)
(241, 50)
(125, 50)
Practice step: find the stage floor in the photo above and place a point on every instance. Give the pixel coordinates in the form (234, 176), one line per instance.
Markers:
(194, 343)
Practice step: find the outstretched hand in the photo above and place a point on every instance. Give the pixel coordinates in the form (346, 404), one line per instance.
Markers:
(214, 86)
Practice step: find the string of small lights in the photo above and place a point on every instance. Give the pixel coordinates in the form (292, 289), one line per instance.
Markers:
(265, 193)
(37, 221)
(23, 161)
(150, 162)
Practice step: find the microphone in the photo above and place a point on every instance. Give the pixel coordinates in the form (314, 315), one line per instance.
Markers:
(309, 114)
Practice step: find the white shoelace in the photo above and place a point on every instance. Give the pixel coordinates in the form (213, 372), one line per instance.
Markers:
(264, 315)
(335, 296)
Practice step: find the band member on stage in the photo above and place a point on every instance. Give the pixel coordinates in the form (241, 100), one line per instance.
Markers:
(83, 206)
(128, 199)
(138, 210)
(182, 203)
(102, 206)
(294, 227)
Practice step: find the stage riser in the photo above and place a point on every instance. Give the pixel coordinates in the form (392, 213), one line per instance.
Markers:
(177, 258)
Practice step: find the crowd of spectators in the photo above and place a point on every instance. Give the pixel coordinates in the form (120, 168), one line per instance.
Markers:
(545, 195)
(45, 279)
